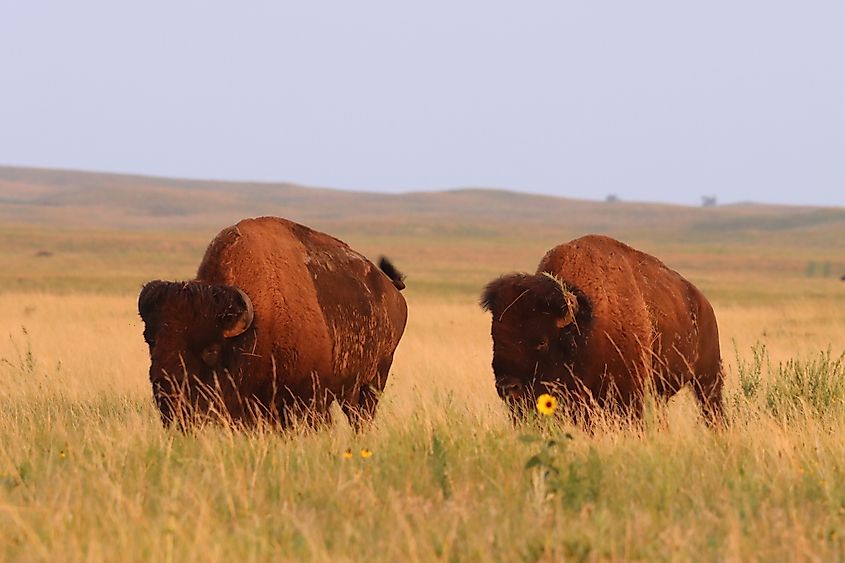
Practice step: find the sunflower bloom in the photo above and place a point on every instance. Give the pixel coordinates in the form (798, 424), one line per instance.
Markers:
(347, 453)
(365, 453)
(546, 404)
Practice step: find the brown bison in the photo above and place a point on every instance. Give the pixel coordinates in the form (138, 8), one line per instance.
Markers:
(596, 325)
(280, 320)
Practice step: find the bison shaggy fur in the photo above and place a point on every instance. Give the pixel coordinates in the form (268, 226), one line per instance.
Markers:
(597, 325)
(280, 321)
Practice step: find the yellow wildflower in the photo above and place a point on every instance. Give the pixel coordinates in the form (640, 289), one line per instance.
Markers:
(546, 404)
(347, 453)
(365, 453)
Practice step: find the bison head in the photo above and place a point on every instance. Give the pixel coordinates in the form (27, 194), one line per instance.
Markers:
(190, 328)
(537, 325)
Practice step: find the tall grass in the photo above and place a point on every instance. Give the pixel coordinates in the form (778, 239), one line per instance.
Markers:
(88, 473)
(815, 386)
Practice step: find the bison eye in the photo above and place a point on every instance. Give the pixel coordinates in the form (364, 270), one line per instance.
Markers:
(541, 344)
(211, 355)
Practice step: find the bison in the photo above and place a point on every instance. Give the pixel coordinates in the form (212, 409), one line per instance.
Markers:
(598, 324)
(280, 321)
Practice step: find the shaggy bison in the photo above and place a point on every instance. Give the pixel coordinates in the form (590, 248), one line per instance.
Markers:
(280, 320)
(596, 325)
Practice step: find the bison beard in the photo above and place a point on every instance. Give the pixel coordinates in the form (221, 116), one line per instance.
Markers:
(280, 322)
(598, 324)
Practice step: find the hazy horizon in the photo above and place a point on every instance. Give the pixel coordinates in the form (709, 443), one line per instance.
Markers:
(651, 102)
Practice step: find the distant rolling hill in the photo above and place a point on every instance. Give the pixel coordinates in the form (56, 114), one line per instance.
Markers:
(66, 198)
(84, 231)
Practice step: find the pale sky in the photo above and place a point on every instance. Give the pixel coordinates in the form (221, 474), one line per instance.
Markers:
(652, 101)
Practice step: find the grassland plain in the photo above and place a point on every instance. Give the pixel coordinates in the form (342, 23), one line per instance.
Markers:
(87, 472)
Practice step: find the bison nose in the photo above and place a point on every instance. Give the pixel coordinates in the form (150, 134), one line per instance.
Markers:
(509, 388)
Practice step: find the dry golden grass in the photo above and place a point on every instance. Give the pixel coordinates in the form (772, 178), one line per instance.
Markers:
(86, 344)
(87, 473)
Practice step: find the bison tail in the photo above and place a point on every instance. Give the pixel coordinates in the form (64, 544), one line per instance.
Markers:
(397, 277)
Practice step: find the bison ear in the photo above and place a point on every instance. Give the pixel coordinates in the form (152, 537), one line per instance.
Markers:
(238, 314)
(488, 296)
(570, 310)
(150, 297)
(498, 289)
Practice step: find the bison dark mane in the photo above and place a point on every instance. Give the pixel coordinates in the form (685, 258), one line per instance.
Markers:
(223, 300)
(541, 290)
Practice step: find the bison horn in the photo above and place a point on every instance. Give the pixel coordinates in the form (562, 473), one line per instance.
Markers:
(244, 321)
(571, 310)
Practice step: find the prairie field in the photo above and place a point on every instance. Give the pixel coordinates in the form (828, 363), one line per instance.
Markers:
(88, 473)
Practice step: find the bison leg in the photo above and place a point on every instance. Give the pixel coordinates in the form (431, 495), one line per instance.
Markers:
(708, 391)
(361, 408)
(319, 420)
(311, 414)
(363, 411)
(300, 408)
(631, 407)
(624, 399)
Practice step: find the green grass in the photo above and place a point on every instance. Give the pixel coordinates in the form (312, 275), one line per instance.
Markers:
(94, 479)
